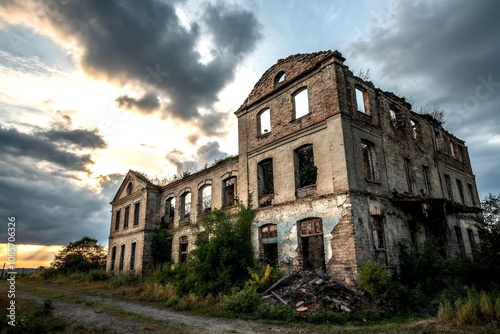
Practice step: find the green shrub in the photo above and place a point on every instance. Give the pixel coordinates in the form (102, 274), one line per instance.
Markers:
(330, 317)
(244, 301)
(374, 279)
(49, 273)
(171, 302)
(123, 280)
(98, 275)
(279, 312)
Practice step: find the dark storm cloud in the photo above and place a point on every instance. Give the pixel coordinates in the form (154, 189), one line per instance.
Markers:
(22, 145)
(79, 137)
(206, 155)
(180, 161)
(144, 42)
(210, 152)
(445, 53)
(146, 104)
(50, 209)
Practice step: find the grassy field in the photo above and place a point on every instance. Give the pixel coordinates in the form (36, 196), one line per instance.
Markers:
(80, 292)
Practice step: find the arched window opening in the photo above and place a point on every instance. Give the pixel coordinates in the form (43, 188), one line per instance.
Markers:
(229, 192)
(186, 205)
(169, 210)
(183, 249)
(129, 188)
(311, 240)
(279, 78)
(205, 199)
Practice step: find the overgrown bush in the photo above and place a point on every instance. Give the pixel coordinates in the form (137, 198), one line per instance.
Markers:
(223, 251)
(243, 301)
(374, 279)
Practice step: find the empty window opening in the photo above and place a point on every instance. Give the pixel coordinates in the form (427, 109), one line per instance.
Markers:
(414, 129)
(280, 77)
(379, 239)
(360, 100)
(460, 152)
(460, 239)
(265, 177)
(205, 199)
(472, 240)
(439, 141)
(378, 232)
(125, 218)
(410, 176)
(169, 210)
(471, 194)
(117, 219)
(301, 103)
(265, 121)
(269, 243)
(183, 249)
(394, 117)
(460, 192)
(449, 191)
(311, 237)
(305, 170)
(129, 188)
(427, 180)
(452, 149)
(412, 226)
(368, 161)
(122, 258)
(229, 192)
(186, 205)
(113, 258)
(132, 256)
(137, 210)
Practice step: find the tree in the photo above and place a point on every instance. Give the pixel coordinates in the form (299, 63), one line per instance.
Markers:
(79, 256)
(223, 251)
(487, 255)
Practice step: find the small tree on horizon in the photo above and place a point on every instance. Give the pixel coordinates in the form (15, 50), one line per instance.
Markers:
(79, 256)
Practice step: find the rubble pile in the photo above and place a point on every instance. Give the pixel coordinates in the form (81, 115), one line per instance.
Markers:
(312, 291)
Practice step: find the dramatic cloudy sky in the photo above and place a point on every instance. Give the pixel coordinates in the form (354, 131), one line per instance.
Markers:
(91, 89)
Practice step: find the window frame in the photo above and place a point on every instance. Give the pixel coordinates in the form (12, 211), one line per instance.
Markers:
(126, 217)
(260, 114)
(299, 167)
(185, 214)
(265, 177)
(225, 199)
(370, 170)
(360, 96)
(133, 250)
(117, 219)
(137, 210)
(299, 93)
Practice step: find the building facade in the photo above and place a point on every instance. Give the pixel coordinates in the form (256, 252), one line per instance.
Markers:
(339, 172)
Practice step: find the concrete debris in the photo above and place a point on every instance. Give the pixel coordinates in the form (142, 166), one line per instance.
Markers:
(310, 292)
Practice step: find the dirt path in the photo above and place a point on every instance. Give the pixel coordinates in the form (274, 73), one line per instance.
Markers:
(92, 316)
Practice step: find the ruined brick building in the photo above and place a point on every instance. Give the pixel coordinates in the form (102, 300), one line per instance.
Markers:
(340, 172)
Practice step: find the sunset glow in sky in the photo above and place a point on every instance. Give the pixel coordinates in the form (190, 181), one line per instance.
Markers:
(91, 89)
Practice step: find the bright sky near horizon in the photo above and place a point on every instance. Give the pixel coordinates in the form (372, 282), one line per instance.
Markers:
(91, 89)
